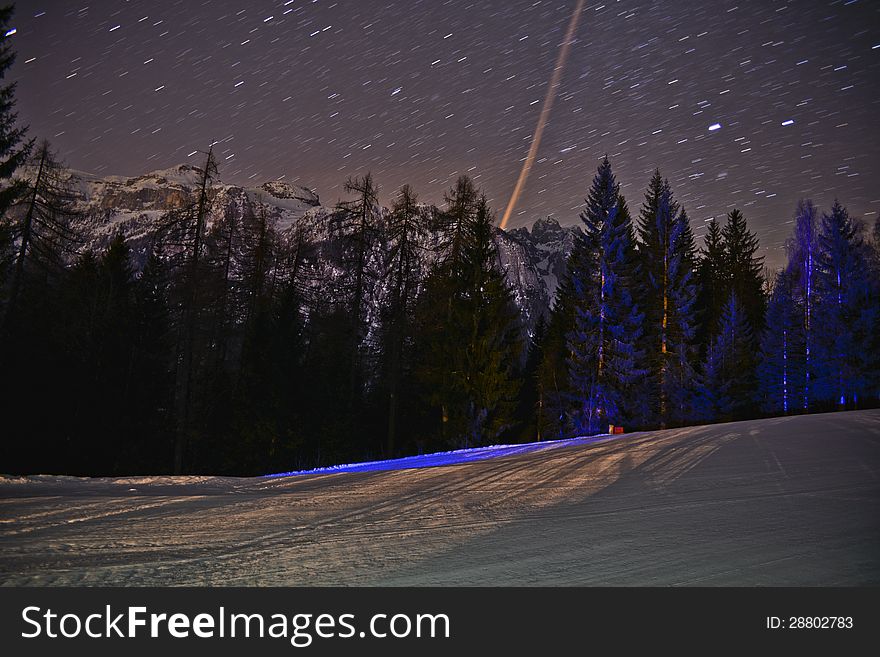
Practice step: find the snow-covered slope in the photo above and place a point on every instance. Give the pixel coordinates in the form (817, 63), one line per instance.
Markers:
(780, 501)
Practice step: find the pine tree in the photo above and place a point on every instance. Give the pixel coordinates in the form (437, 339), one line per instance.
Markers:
(295, 263)
(440, 331)
(256, 437)
(604, 361)
(802, 264)
(648, 229)
(532, 396)
(554, 413)
(42, 225)
(327, 365)
(110, 405)
(874, 360)
(153, 357)
(223, 285)
(355, 225)
(258, 255)
(781, 371)
(667, 256)
(731, 269)
(405, 228)
(744, 269)
(7, 256)
(14, 150)
(286, 382)
(185, 228)
(495, 347)
(846, 311)
(679, 369)
(469, 336)
(93, 348)
(729, 382)
(460, 208)
(77, 299)
(713, 286)
(555, 416)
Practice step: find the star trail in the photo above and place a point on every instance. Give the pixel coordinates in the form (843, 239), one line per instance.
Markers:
(740, 104)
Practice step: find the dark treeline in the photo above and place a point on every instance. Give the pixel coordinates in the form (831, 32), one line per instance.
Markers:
(228, 352)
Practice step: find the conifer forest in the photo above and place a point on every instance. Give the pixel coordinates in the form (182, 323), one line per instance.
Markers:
(214, 344)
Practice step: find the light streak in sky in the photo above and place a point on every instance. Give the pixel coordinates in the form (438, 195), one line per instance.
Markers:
(545, 112)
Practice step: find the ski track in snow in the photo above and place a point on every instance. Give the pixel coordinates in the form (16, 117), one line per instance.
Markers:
(781, 501)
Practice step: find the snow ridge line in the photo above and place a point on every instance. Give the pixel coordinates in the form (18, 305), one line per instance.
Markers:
(454, 457)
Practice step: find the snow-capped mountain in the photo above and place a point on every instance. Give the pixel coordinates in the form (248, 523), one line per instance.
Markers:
(136, 205)
(548, 245)
(533, 260)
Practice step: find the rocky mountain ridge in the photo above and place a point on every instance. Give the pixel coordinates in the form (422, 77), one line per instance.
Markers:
(533, 259)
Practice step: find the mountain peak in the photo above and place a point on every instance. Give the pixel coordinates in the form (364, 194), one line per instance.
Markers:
(549, 220)
(285, 190)
(183, 175)
(546, 230)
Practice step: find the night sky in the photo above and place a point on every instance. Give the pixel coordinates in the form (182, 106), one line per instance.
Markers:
(313, 91)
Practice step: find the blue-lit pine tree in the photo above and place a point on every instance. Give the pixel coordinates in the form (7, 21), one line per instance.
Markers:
(604, 360)
(681, 349)
(668, 257)
(802, 263)
(874, 379)
(847, 311)
(781, 371)
(553, 419)
(732, 267)
(729, 384)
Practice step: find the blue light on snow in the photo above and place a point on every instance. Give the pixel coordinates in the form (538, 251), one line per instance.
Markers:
(788, 122)
(714, 126)
(451, 458)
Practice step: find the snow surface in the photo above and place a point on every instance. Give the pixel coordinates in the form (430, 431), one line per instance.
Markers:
(782, 501)
(449, 458)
